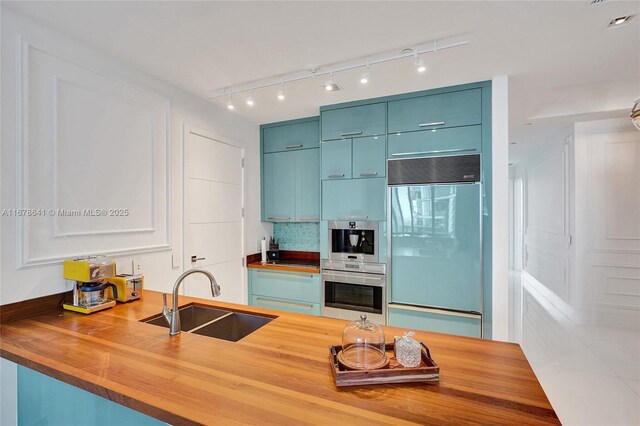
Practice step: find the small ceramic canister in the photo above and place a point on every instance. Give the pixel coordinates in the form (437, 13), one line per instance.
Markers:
(407, 350)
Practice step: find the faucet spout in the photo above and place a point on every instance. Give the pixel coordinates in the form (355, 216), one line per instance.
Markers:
(172, 315)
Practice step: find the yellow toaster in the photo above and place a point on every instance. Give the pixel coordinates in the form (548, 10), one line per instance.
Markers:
(129, 287)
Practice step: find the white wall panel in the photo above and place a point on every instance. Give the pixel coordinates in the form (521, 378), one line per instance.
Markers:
(94, 162)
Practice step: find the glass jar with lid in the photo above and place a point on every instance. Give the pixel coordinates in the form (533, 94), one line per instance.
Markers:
(363, 345)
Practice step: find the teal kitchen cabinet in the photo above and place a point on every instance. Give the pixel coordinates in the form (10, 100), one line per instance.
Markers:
(435, 320)
(354, 199)
(336, 159)
(455, 140)
(453, 109)
(355, 121)
(298, 292)
(43, 400)
(307, 185)
(290, 184)
(369, 157)
(291, 136)
(278, 181)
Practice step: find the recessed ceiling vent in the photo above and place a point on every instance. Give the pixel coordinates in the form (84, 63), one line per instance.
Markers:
(597, 1)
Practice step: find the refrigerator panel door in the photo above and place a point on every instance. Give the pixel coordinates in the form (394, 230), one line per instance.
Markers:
(436, 246)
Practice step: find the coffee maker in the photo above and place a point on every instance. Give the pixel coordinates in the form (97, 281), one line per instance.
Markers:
(91, 289)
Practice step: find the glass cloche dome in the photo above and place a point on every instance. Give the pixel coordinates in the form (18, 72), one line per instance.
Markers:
(363, 345)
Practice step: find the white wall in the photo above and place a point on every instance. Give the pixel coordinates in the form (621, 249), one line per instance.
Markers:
(582, 233)
(500, 201)
(63, 91)
(117, 134)
(607, 201)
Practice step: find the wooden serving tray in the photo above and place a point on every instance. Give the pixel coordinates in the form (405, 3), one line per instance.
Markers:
(427, 371)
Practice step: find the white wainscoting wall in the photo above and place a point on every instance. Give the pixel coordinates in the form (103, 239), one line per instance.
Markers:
(608, 199)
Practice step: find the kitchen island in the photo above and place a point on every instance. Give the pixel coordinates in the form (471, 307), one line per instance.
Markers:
(279, 374)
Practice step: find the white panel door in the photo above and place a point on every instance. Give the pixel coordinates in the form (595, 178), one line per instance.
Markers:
(213, 222)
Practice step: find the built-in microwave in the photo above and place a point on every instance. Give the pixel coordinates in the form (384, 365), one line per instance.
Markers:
(353, 241)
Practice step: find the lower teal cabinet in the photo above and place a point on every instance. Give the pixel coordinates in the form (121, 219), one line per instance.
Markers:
(287, 291)
(43, 400)
(354, 199)
(435, 320)
(456, 140)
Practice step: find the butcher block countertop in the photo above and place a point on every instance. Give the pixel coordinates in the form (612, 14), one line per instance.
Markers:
(279, 374)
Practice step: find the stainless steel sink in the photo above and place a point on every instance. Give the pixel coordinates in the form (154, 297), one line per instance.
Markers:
(213, 322)
(232, 327)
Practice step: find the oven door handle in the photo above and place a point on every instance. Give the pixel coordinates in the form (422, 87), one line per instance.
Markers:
(360, 278)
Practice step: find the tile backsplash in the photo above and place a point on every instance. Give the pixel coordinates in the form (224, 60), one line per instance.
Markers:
(297, 236)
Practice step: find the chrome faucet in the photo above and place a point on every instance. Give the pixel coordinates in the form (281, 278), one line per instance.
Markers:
(172, 315)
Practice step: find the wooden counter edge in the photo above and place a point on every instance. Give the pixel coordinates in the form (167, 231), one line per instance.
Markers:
(287, 268)
(110, 393)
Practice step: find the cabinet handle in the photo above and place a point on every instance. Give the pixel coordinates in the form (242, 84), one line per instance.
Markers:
(369, 174)
(279, 302)
(473, 315)
(351, 133)
(353, 217)
(293, 146)
(336, 176)
(435, 123)
(279, 218)
(440, 151)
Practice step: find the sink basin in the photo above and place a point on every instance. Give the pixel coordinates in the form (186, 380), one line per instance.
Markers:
(191, 316)
(213, 322)
(233, 327)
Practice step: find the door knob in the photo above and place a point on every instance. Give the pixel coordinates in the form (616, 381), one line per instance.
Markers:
(195, 258)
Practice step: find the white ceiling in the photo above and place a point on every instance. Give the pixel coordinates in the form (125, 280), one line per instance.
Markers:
(561, 60)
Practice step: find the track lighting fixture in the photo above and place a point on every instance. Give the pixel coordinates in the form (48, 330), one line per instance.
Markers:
(250, 98)
(419, 62)
(329, 70)
(329, 85)
(230, 103)
(364, 78)
(281, 92)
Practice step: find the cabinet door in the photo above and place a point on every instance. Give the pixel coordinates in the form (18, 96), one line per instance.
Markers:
(461, 140)
(453, 109)
(286, 305)
(369, 157)
(278, 187)
(365, 120)
(434, 320)
(354, 199)
(287, 285)
(291, 137)
(336, 159)
(307, 185)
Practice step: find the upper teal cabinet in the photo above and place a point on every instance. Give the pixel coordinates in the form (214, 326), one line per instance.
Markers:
(453, 109)
(291, 171)
(356, 121)
(354, 199)
(278, 177)
(291, 136)
(336, 159)
(456, 140)
(369, 157)
(307, 185)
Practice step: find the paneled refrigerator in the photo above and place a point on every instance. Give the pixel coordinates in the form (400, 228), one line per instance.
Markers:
(435, 244)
